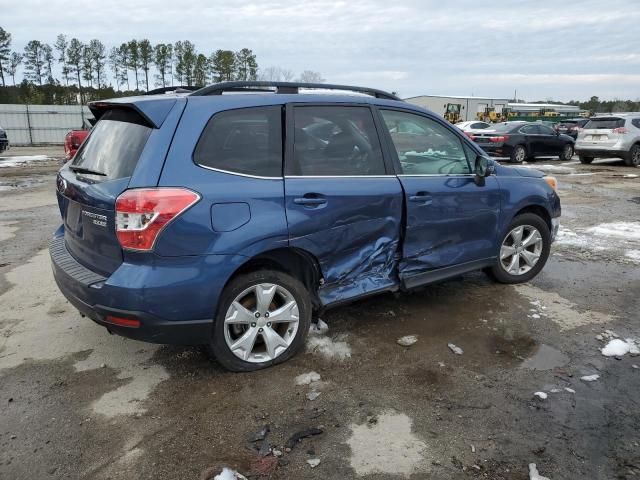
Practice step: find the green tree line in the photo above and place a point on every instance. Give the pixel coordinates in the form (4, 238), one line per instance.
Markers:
(89, 70)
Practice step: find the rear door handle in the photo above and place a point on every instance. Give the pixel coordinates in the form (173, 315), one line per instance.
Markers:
(421, 197)
(310, 200)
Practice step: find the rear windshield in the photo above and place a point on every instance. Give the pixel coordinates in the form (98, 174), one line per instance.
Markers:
(114, 145)
(604, 123)
(504, 127)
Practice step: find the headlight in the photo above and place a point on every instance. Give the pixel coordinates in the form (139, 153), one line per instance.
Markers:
(552, 182)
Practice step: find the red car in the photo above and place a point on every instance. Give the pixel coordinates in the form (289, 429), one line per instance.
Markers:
(74, 139)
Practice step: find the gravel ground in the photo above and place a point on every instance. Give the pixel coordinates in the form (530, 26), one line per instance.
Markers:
(76, 402)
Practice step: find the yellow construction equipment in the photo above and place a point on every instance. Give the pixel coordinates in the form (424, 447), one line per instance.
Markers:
(452, 112)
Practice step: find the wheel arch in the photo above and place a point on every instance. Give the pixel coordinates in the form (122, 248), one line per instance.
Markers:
(296, 262)
(538, 210)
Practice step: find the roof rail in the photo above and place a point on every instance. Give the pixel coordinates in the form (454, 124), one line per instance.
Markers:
(174, 88)
(285, 87)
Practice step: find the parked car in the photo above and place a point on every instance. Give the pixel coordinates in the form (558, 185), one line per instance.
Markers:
(520, 141)
(4, 140)
(224, 220)
(74, 139)
(571, 126)
(472, 125)
(611, 136)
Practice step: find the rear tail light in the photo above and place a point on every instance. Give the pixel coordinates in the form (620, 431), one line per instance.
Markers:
(142, 213)
(470, 135)
(620, 130)
(500, 139)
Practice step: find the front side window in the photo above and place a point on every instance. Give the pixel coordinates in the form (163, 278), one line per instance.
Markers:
(335, 141)
(544, 130)
(424, 146)
(246, 141)
(530, 130)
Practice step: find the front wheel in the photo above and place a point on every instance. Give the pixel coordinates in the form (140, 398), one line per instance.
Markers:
(633, 158)
(519, 154)
(524, 250)
(567, 152)
(263, 319)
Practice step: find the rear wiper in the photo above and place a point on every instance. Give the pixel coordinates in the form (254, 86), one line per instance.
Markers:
(88, 171)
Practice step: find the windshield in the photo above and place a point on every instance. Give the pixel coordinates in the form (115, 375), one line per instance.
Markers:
(114, 145)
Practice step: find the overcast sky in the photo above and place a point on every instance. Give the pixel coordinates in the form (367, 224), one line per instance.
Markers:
(562, 49)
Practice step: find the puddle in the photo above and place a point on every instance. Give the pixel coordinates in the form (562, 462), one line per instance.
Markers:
(545, 358)
(387, 446)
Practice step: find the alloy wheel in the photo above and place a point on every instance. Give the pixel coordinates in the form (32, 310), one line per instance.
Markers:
(520, 154)
(567, 152)
(261, 323)
(521, 249)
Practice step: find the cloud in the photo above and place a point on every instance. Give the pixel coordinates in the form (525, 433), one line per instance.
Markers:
(542, 49)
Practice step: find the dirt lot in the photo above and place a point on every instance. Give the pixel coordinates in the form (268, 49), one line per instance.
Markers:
(76, 402)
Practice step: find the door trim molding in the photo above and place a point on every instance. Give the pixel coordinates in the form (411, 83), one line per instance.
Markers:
(436, 275)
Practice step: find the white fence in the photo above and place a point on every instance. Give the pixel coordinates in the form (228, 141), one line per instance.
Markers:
(41, 124)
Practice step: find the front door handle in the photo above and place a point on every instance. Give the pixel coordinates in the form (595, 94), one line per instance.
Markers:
(421, 197)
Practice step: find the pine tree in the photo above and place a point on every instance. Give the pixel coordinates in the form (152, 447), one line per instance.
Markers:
(145, 51)
(123, 58)
(134, 58)
(247, 67)
(223, 65)
(34, 61)
(163, 58)
(185, 61)
(5, 44)
(74, 57)
(15, 59)
(61, 46)
(48, 62)
(200, 70)
(97, 51)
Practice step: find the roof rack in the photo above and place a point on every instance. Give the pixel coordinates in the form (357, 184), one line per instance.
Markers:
(285, 87)
(174, 88)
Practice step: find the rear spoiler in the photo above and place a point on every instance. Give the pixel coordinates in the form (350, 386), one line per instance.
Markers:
(152, 110)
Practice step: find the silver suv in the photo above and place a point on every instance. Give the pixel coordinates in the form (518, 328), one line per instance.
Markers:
(610, 136)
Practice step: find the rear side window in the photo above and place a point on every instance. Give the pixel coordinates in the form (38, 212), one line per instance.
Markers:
(335, 141)
(246, 141)
(604, 123)
(636, 122)
(115, 145)
(530, 130)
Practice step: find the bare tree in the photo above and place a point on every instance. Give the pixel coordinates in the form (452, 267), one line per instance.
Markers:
(276, 74)
(5, 43)
(309, 76)
(15, 59)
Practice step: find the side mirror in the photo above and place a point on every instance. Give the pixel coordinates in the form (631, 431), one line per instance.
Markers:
(481, 170)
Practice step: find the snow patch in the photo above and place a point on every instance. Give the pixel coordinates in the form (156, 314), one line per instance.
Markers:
(387, 447)
(228, 474)
(407, 340)
(534, 474)
(307, 378)
(590, 378)
(22, 160)
(540, 395)
(329, 348)
(626, 230)
(616, 348)
(319, 328)
(634, 255)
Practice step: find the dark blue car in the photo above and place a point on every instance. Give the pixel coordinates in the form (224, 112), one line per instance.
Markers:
(231, 215)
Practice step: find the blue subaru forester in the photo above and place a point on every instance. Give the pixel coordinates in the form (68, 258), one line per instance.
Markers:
(230, 215)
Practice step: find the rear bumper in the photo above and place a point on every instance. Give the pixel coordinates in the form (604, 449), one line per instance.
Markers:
(174, 299)
(497, 151)
(604, 152)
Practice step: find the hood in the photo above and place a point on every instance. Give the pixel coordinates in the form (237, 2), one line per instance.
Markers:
(520, 171)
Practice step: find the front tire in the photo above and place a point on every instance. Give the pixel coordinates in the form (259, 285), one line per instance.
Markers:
(263, 319)
(586, 160)
(567, 152)
(519, 154)
(524, 250)
(633, 158)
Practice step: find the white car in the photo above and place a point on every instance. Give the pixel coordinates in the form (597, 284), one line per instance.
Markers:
(472, 125)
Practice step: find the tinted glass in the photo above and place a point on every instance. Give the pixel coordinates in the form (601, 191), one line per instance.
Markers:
(479, 125)
(504, 127)
(604, 123)
(636, 122)
(530, 129)
(115, 145)
(335, 140)
(247, 141)
(424, 146)
(544, 130)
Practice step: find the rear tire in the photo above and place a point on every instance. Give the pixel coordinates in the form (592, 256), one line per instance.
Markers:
(586, 160)
(633, 158)
(567, 152)
(531, 249)
(242, 314)
(519, 154)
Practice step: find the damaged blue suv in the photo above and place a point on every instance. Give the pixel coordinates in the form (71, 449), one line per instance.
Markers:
(230, 215)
